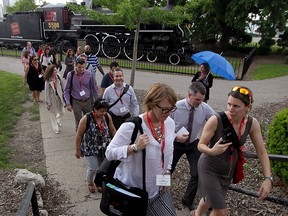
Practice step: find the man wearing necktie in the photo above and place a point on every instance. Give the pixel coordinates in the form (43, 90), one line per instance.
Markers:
(191, 114)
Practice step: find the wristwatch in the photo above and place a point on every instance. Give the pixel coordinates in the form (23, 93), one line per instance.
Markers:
(270, 178)
(134, 148)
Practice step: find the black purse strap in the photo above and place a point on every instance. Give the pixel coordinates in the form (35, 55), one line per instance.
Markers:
(114, 164)
(227, 124)
(119, 98)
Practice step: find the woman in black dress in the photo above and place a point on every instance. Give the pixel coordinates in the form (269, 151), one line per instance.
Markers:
(34, 77)
(205, 77)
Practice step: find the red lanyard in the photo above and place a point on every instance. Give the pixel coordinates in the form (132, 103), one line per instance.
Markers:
(111, 77)
(152, 129)
(36, 67)
(55, 84)
(240, 128)
(239, 136)
(119, 94)
(80, 80)
(101, 125)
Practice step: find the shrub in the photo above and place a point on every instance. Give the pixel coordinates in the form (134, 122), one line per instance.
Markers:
(286, 59)
(278, 143)
(285, 51)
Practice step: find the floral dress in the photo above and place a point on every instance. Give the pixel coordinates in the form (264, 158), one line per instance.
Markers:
(96, 137)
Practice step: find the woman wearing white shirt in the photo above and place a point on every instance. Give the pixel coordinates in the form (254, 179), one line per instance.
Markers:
(54, 96)
(157, 139)
(46, 58)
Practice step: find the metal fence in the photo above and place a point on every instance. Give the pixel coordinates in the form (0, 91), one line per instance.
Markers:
(270, 198)
(161, 64)
(248, 61)
(29, 196)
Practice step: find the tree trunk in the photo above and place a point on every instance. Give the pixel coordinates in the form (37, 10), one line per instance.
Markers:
(135, 50)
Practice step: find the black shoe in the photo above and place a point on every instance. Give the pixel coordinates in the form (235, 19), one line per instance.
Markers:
(190, 207)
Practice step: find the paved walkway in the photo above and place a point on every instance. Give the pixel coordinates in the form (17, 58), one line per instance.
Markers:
(59, 149)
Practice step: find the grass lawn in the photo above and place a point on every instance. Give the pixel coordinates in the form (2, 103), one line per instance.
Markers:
(12, 96)
(267, 71)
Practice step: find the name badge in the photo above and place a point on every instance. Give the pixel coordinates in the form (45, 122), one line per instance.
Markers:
(40, 75)
(163, 180)
(82, 93)
(123, 109)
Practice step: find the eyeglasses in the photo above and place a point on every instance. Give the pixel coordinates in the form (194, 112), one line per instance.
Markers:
(242, 90)
(166, 110)
(34, 59)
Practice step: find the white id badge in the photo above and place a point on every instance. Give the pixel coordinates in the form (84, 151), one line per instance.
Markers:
(163, 180)
(82, 93)
(40, 75)
(123, 109)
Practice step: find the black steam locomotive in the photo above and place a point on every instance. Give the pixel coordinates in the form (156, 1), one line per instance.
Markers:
(63, 28)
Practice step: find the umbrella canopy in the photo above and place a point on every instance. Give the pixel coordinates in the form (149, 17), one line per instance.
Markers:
(218, 64)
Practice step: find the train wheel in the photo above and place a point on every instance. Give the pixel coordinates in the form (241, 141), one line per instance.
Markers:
(174, 59)
(128, 50)
(93, 42)
(111, 47)
(151, 56)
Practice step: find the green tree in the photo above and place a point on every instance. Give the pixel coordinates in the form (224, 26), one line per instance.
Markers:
(132, 14)
(22, 5)
(214, 20)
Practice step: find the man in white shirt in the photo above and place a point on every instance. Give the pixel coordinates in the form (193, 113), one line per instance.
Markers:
(128, 103)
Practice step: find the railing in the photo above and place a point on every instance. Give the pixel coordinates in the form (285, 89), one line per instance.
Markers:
(248, 61)
(274, 199)
(161, 64)
(29, 196)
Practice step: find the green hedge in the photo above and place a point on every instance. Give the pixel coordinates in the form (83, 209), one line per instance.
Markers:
(278, 143)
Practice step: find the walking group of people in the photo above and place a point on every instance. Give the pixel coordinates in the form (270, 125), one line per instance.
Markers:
(171, 128)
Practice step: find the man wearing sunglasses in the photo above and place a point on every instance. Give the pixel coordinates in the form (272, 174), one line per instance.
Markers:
(190, 116)
(93, 60)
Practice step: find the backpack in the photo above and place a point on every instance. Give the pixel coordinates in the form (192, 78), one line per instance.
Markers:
(107, 168)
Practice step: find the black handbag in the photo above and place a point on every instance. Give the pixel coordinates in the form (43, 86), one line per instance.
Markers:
(119, 199)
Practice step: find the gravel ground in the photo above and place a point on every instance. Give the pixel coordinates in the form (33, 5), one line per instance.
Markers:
(29, 153)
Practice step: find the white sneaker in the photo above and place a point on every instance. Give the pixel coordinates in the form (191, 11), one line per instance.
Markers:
(59, 124)
(56, 131)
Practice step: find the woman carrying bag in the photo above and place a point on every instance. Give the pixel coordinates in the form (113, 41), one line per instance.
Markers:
(158, 137)
(92, 136)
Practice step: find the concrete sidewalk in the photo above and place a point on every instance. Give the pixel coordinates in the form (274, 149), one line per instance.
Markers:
(59, 149)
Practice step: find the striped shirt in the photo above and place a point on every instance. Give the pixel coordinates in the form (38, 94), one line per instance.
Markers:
(93, 60)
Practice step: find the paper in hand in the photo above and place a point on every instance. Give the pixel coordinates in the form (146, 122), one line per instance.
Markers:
(182, 130)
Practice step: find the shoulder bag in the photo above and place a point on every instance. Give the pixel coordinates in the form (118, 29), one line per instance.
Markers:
(230, 134)
(117, 198)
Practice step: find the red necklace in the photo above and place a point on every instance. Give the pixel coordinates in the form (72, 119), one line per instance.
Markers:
(152, 129)
(101, 125)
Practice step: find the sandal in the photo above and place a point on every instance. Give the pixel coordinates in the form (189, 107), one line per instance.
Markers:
(91, 188)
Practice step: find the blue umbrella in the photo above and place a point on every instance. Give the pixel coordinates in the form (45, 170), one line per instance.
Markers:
(218, 64)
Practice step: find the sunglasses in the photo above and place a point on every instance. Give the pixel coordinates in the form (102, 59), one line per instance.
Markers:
(242, 90)
(166, 110)
(102, 101)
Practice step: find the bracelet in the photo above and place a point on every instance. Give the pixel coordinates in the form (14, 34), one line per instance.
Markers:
(270, 178)
(134, 148)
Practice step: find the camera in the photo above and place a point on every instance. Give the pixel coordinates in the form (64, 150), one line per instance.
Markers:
(227, 136)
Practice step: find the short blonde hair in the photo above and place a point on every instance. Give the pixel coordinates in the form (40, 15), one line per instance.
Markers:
(157, 93)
